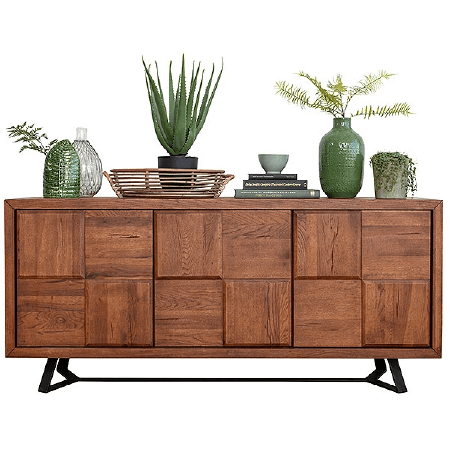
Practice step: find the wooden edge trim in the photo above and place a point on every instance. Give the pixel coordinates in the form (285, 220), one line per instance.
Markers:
(226, 352)
(10, 279)
(436, 281)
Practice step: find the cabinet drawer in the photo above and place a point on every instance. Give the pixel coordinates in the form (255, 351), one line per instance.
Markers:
(396, 244)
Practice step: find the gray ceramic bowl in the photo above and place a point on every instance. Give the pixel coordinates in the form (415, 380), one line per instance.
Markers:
(273, 163)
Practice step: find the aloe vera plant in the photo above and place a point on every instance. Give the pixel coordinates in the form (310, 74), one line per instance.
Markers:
(178, 125)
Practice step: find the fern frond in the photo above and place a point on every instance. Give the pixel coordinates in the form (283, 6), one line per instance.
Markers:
(331, 101)
(294, 95)
(370, 84)
(384, 111)
(337, 86)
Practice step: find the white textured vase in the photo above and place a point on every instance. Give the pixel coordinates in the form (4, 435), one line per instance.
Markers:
(90, 164)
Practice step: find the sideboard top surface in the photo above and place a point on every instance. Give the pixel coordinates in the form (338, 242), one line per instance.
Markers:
(222, 203)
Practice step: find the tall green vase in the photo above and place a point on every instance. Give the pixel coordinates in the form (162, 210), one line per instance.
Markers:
(62, 172)
(341, 160)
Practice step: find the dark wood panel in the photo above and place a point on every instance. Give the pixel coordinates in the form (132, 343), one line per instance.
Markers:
(257, 244)
(119, 313)
(327, 313)
(50, 312)
(188, 244)
(50, 243)
(258, 313)
(10, 278)
(228, 352)
(396, 313)
(119, 243)
(188, 313)
(396, 244)
(327, 244)
(436, 289)
(224, 203)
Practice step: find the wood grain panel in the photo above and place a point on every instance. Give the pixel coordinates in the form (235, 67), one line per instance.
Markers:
(10, 278)
(436, 289)
(327, 313)
(258, 313)
(119, 243)
(50, 312)
(188, 244)
(256, 244)
(327, 244)
(396, 313)
(50, 243)
(188, 313)
(396, 244)
(119, 313)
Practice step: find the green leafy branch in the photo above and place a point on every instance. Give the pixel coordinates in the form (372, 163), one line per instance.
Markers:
(31, 137)
(336, 96)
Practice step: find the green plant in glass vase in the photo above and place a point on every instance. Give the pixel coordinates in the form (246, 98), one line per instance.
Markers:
(178, 123)
(341, 151)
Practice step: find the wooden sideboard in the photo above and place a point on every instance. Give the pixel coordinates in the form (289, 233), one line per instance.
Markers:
(107, 277)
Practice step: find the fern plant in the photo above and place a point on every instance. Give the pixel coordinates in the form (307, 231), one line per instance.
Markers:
(30, 137)
(336, 96)
(178, 124)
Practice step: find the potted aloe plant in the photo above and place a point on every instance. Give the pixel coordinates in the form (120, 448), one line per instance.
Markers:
(341, 150)
(394, 174)
(178, 123)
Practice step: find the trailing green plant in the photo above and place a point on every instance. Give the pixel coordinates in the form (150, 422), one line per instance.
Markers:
(178, 124)
(388, 165)
(31, 137)
(336, 96)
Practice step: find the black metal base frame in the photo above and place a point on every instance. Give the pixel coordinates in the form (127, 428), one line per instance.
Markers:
(62, 367)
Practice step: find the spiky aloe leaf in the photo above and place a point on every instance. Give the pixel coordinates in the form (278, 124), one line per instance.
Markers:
(160, 88)
(202, 118)
(384, 111)
(159, 133)
(180, 126)
(171, 99)
(190, 102)
(155, 94)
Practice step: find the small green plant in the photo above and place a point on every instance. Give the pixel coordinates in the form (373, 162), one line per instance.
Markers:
(178, 124)
(31, 137)
(335, 97)
(388, 165)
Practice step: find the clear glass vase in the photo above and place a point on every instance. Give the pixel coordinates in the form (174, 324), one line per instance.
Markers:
(90, 164)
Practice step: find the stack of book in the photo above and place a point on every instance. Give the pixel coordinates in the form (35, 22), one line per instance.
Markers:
(275, 186)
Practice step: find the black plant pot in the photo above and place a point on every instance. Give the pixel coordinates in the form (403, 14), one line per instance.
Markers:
(180, 161)
(185, 180)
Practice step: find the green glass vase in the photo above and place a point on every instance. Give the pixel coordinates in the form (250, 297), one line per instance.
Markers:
(341, 160)
(62, 172)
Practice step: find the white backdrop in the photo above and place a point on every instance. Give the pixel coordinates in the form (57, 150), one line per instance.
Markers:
(78, 63)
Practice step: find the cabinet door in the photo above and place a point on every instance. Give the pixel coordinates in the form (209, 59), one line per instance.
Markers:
(327, 244)
(396, 244)
(50, 312)
(50, 244)
(119, 313)
(327, 313)
(188, 244)
(257, 244)
(119, 243)
(258, 313)
(396, 313)
(188, 312)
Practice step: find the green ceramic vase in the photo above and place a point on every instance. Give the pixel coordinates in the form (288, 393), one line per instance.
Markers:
(341, 160)
(62, 172)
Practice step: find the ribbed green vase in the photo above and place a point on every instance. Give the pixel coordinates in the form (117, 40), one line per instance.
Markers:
(341, 160)
(62, 172)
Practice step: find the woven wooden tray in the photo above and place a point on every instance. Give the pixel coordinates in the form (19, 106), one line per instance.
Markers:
(167, 183)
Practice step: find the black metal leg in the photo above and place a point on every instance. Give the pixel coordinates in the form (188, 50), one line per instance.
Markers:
(62, 367)
(380, 368)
